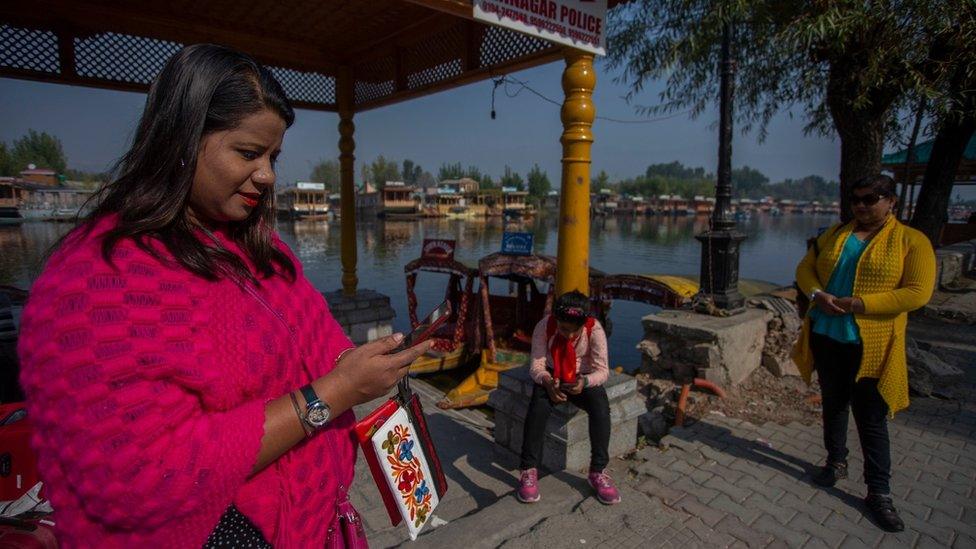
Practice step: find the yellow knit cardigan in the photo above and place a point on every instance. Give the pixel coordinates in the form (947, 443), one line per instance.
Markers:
(895, 275)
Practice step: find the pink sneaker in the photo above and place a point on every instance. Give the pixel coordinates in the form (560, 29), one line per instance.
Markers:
(606, 491)
(528, 491)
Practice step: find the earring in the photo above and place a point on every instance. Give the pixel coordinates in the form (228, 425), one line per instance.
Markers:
(182, 163)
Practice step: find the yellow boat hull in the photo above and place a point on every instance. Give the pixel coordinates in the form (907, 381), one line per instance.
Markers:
(438, 362)
(474, 390)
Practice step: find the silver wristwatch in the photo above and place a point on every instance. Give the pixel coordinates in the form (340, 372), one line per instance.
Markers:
(317, 412)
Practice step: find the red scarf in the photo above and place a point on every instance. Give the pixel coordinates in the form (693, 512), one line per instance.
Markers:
(563, 351)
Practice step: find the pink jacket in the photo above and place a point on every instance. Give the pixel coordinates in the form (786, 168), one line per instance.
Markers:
(147, 387)
(591, 355)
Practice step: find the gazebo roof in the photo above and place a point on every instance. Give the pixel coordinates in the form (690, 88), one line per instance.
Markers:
(895, 162)
(393, 50)
(923, 151)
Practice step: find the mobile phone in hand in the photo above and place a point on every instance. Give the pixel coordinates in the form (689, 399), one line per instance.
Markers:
(427, 327)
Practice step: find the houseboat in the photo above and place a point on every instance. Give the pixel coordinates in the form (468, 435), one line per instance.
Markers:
(484, 203)
(605, 202)
(9, 210)
(631, 205)
(52, 202)
(447, 202)
(367, 201)
(513, 203)
(304, 201)
(702, 205)
(398, 200)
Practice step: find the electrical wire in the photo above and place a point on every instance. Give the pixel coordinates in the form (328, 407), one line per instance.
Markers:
(505, 80)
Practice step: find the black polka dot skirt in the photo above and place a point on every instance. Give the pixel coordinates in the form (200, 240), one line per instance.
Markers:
(236, 530)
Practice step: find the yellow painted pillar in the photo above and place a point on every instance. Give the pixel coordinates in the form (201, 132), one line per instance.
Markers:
(578, 112)
(347, 191)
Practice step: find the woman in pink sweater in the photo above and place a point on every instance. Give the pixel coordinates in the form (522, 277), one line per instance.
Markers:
(188, 385)
(569, 363)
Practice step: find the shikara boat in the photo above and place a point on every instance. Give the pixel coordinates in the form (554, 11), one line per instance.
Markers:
(455, 342)
(508, 320)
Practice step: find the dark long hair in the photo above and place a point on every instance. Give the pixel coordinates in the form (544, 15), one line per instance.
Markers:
(203, 89)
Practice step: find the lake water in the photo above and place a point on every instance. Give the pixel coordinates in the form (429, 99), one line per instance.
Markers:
(660, 245)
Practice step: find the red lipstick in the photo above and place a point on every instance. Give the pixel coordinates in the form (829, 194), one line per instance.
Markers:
(251, 199)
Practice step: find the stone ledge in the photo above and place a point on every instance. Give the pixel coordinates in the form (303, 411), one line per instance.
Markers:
(954, 262)
(687, 344)
(566, 444)
(364, 317)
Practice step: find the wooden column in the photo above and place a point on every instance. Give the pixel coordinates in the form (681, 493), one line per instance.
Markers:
(345, 98)
(578, 113)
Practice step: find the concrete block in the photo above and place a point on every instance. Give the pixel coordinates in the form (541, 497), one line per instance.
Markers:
(949, 266)
(733, 343)
(967, 253)
(780, 366)
(566, 444)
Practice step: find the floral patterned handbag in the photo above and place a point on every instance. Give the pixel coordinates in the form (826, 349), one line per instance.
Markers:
(403, 460)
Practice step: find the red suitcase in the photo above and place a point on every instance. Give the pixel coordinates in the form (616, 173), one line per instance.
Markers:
(18, 465)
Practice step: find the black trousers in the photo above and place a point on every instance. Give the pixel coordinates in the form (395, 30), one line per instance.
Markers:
(837, 365)
(597, 406)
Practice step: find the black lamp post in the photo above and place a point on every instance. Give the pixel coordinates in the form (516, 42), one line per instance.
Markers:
(720, 244)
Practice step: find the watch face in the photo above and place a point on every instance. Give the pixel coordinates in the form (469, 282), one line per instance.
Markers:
(318, 414)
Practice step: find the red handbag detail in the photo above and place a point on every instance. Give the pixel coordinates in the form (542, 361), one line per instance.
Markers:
(26, 534)
(402, 459)
(18, 464)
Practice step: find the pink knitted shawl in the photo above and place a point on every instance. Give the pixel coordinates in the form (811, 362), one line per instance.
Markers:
(147, 387)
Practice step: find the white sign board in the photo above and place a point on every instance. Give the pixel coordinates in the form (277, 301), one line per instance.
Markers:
(306, 186)
(577, 23)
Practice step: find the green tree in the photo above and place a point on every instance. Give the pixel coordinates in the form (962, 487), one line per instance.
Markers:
(487, 183)
(41, 149)
(411, 172)
(601, 181)
(847, 63)
(450, 171)
(511, 178)
(90, 179)
(811, 187)
(675, 170)
(426, 180)
(749, 183)
(456, 171)
(954, 74)
(382, 170)
(538, 180)
(326, 171)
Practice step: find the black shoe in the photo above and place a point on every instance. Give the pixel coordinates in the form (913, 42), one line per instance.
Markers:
(829, 474)
(884, 513)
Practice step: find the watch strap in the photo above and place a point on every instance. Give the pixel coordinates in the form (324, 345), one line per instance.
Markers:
(298, 412)
(308, 393)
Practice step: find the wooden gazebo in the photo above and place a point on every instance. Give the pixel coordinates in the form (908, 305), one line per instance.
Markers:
(911, 174)
(344, 56)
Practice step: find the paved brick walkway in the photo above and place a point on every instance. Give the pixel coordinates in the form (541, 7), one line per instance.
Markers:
(719, 482)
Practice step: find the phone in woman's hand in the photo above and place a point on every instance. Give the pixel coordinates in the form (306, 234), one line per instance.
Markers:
(427, 327)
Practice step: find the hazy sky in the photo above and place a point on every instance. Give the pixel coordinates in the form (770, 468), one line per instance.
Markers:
(452, 126)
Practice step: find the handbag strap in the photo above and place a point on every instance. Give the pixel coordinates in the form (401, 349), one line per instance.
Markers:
(404, 392)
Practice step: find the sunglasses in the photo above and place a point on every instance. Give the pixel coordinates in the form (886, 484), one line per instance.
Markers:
(866, 199)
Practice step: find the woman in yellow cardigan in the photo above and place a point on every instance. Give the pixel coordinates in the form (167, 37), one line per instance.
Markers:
(863, 278)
